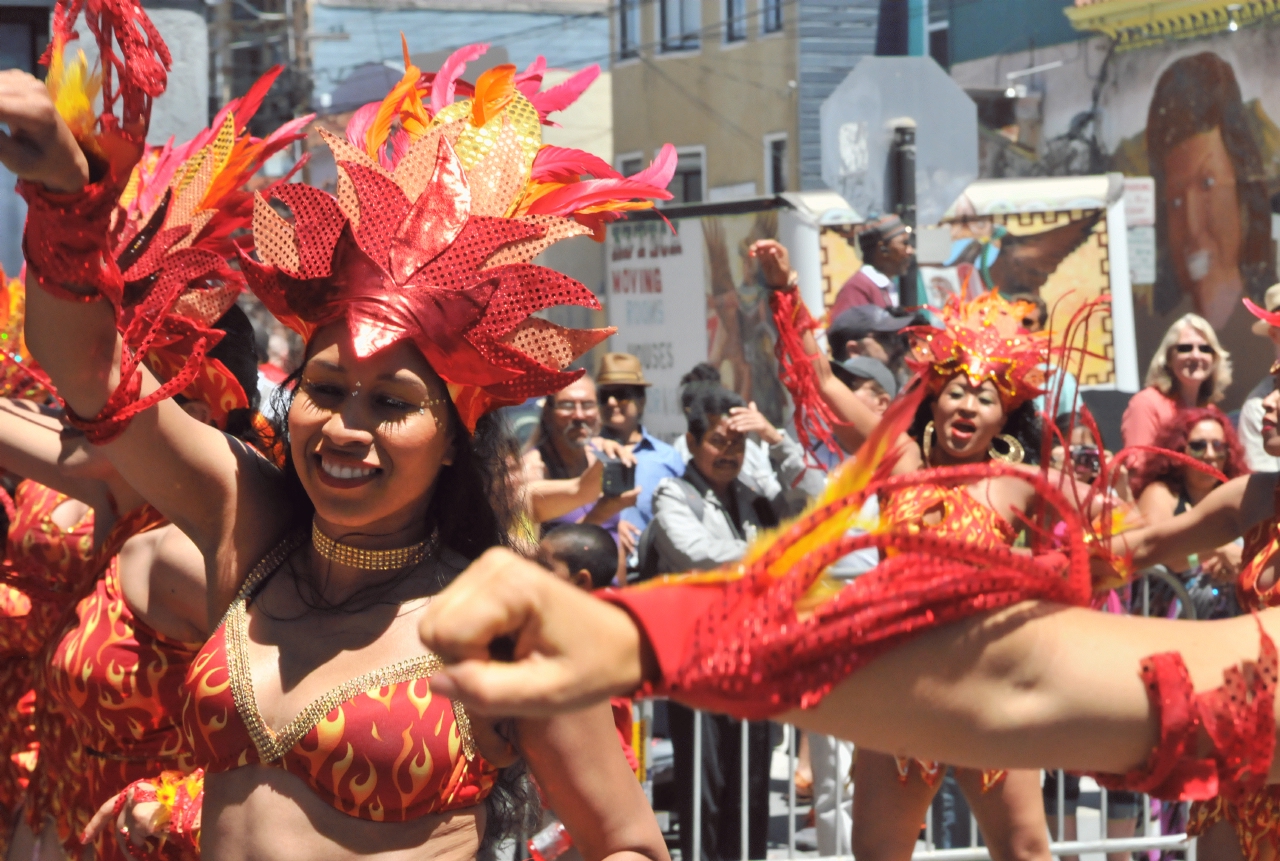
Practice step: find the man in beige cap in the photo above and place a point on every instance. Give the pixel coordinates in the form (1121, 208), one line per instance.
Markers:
(622, 389)
(1251, 412)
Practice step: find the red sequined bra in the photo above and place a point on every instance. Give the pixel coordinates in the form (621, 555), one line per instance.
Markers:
(380, 746)
(948, 512)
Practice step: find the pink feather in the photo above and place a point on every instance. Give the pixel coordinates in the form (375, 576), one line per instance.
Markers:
(565, 93)
(442, 87)
(529, 81)
(561, 164)
(661, 170)
(358, 125)
(593, 192)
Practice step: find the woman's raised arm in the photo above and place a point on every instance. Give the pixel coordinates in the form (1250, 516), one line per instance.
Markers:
(1224, 515)
(1033, 685)
(202, 480)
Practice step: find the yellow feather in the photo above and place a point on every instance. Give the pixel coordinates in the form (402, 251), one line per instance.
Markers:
(74, 89)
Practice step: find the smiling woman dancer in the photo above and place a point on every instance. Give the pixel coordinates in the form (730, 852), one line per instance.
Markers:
(111, 637)
(309, 707)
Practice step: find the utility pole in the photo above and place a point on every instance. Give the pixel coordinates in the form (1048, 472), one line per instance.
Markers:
(902, 155)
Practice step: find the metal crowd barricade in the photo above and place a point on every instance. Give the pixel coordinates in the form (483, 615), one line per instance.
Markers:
(1146, 840)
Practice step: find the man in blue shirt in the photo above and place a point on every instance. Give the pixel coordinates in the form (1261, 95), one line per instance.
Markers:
(621, 391)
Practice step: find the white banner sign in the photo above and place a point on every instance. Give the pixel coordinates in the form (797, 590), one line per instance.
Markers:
(657, 300)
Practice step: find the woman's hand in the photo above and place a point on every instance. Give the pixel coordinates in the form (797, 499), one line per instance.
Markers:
(137, 821)
(39, 146)
(1223, 564)
(628, 537)
(749, 419)
(570, 649)
(775, 263)
(612, 449)
(608, 506)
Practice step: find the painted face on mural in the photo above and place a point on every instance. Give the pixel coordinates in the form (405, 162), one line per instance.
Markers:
(1205, 230)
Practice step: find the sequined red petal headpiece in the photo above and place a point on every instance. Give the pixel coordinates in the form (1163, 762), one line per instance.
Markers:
(984, 340)
(441, 207)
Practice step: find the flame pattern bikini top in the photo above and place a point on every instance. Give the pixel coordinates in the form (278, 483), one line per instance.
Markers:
(1261, 549)
(45, 568)
(961, 516)
(381, 746)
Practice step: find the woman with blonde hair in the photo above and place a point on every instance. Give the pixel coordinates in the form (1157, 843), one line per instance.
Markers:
(1190, 369)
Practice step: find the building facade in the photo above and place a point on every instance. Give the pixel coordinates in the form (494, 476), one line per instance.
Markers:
(735, 85)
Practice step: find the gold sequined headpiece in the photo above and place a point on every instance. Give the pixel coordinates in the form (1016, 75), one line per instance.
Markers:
(984, 340)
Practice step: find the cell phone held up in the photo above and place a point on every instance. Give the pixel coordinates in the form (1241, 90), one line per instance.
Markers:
(618, 478)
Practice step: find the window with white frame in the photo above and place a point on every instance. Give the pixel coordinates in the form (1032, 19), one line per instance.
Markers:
(679, 24)
(775, 163)
(771, 16)
(686, 185)
(628, 29)
(735, 20)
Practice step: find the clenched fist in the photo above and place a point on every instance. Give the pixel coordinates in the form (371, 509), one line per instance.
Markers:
(38, 147)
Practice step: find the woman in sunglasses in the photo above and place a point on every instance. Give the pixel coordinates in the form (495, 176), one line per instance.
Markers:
(1168, 487)
(1189, 369)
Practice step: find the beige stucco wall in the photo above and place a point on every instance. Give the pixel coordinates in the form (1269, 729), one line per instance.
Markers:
(725, 97)
(587, 124)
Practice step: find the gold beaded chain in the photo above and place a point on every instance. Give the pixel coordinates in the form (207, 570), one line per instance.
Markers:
(370, 560)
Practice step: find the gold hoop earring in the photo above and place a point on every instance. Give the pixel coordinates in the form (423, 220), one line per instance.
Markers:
(926, 443)
(1015, 454)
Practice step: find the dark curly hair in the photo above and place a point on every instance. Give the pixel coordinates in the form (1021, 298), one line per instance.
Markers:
(1173, 436)
(1023, 424)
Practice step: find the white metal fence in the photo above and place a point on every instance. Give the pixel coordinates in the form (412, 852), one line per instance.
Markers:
(1146, 839)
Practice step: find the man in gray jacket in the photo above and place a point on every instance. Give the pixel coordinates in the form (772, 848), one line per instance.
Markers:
(700, 521)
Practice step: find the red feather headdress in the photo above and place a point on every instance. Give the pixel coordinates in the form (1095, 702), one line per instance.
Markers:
(984, 340)
(442, 205)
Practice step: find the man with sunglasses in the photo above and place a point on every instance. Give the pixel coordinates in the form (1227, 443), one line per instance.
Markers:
(621, 389)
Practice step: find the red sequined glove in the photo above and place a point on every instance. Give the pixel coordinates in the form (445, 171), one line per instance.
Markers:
(68, 241)
(1238, 718)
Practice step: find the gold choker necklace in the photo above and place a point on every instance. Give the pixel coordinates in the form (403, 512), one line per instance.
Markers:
(370, 560)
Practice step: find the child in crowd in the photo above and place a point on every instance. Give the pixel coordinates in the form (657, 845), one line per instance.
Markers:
(587, 556)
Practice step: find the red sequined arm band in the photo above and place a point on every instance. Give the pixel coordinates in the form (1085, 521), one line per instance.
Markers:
(67, 241)
(813, 418)
(1238, 718)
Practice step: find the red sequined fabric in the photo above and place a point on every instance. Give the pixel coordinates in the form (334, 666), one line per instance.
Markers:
(950, 512)
(813, 418)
